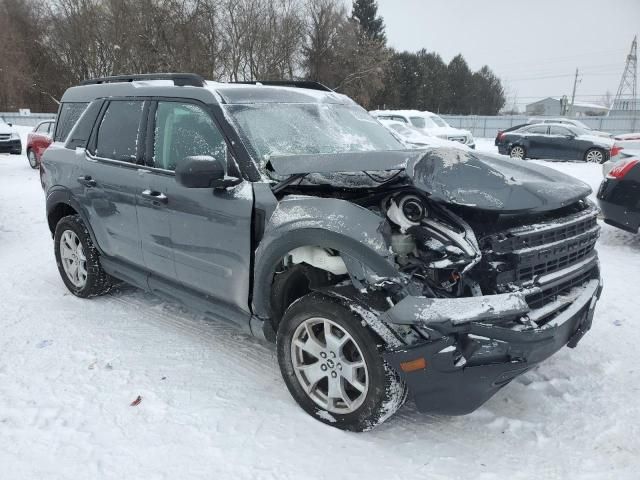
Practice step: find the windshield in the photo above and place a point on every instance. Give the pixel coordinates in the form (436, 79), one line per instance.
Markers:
(275, 129)
(422, 122)
(402, 129)
(438, 121)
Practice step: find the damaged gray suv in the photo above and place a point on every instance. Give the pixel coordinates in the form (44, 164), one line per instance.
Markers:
(286, 209)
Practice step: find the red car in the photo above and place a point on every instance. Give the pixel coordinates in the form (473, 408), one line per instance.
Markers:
(38, 140)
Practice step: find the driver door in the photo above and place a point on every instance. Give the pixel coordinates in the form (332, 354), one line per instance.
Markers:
(200, 237)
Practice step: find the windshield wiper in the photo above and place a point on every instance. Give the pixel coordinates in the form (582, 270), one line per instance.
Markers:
(278, 187)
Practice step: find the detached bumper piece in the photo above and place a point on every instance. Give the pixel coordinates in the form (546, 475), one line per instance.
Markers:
(477, 345)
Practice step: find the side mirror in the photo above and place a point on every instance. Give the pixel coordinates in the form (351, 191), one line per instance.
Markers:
(570, 136)
(10, 124)
(203, 171)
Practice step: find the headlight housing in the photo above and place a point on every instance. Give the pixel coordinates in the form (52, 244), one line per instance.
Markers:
(15, 136)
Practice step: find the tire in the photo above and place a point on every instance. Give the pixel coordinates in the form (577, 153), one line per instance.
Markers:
(380, 391)
(518, 151)
(94, 281)
(33, 161)
(595, 155)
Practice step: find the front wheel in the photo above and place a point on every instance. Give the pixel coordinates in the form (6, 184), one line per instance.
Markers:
(33, 161)
(594, 155)
(332, 365)
(517, 151)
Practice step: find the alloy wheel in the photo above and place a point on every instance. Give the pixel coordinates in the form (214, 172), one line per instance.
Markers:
(595, 156)
(73, 258)
(329, 365)
(517, 152)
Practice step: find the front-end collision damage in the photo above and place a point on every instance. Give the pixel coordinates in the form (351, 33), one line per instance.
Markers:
(358, 234)
(469, 360)
(472, 289)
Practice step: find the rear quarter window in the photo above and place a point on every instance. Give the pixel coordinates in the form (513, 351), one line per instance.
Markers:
(67, 117)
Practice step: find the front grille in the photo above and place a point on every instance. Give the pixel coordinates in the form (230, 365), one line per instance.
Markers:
(521, 254)
(556, 257)
(543, 234)
(458, 139)
(546, 296)
(5, 136)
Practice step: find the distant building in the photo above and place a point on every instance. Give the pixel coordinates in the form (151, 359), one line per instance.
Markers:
(551, 106)
(625, 107)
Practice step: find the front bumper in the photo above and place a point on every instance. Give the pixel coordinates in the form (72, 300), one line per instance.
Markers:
(11, 146)
(470, 358)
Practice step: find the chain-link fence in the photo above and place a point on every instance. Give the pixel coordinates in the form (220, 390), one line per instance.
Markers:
(488, 126)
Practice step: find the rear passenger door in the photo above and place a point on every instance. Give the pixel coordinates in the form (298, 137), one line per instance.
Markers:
(111, 180)
(207, 232)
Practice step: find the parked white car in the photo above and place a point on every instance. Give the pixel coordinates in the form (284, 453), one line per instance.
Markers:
(571, 121)
(415, 138)
(626, 145)
(428, 122)
(9, 139)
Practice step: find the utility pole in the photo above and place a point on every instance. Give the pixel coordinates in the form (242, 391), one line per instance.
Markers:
(573, 95)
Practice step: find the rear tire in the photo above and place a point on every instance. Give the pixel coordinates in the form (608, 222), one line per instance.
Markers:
(78, 259)
(345, 383)
(33, 161)
(595, 155)
(518, 151)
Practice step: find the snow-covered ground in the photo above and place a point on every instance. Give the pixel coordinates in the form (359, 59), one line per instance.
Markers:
(214, 406)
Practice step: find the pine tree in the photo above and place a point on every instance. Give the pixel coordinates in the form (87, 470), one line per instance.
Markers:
(365, 14)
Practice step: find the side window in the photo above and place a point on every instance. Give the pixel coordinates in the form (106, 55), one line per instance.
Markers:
(50, 128)
(67, 118)
(184, 130)
(560, 131)
(118, 131)
(41, 128)
(538, 130)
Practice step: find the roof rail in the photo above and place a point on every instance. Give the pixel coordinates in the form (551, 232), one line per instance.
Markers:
(179, 79)
(289, 83)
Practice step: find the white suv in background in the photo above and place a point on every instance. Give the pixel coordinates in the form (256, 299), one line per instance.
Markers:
(428, 122)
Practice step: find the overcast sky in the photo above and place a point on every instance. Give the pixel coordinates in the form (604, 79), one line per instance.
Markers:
(534, 46)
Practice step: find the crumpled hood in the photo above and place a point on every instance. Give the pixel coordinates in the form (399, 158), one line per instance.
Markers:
(489, 182)
(451, 176)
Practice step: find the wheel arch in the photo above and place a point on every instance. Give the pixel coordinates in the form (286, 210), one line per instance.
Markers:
(60, 203)
(318, 222)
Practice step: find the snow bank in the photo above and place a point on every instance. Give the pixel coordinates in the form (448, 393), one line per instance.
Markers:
(213, 404)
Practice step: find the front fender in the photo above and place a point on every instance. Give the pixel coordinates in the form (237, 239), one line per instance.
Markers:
(324, 222)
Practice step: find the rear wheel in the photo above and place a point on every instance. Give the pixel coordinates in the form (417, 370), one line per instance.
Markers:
(333, 367)
(594, 155)
(78, 259)
(33, 161)
(517, 151)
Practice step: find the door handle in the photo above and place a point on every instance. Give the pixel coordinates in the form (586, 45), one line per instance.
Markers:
(87, 181)
(155, 196)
